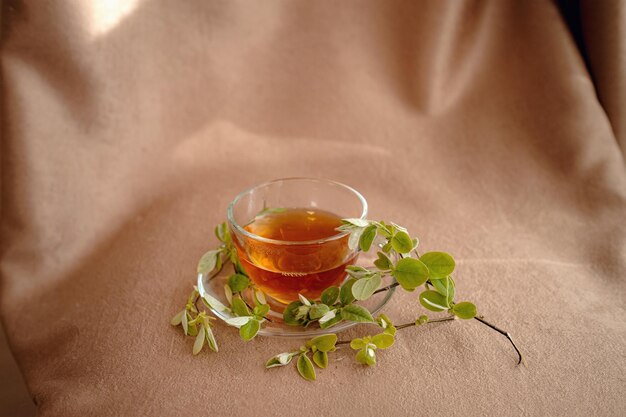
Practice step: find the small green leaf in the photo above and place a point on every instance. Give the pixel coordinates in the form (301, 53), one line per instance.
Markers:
(345, 294)
(357, 343)
(401, 242)
(330, 295)
(423, 319)
(261, 310)
(440, 264)
(281, 359)
(329, 319)
(185, 322)
(200, 339)
(464, 310)
(325, 343)
(178, 318)
(367, 237)
(383, 340)
(305, 367)
(356, 313)
(239, 307)
(210, 339)
(193, 329)
(213, 303)
(356, 222)
(383, 262)
(321, 359)
(208, 261)
(434, 301)
(410, 273)
(326, 317)
(355, 237)
(445, 287)
(228, 292)
(289, 315)
(363, 288)
(259, 297)
(305, 301)
(221, 232)
(249, 330)
(318, 310)
(238, 321)
(386, 324)
(238, 282)
(366, 356)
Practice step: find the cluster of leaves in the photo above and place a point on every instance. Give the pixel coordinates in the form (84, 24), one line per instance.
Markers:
(248, 319)
(397, 256)
(319, 347)
(432, 270)
(196, 324)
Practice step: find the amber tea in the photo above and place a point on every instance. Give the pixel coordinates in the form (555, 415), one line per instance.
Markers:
(283, 271)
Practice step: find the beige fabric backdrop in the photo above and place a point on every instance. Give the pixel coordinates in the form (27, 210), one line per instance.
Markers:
(128, 129)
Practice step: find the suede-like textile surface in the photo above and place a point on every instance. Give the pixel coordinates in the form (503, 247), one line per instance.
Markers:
(129, 126)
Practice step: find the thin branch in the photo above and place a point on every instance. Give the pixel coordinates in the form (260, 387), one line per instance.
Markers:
(387, 288)
(505, 334)
(405, 325)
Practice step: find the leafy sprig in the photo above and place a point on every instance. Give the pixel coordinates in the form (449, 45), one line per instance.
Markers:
(397, 257)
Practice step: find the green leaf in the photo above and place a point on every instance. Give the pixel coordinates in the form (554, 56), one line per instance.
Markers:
(238, 321)
(325, 343)
(185, 322)
(193, 329)
(329, 319)
(367, 237)
(386, 324)
(305, 367)
(363, 288)
(434, 301)
(383, 340)
(357, 343)
(210, 339)
(440, 264)
(178, 318)
(228, 292)
(249, 330)
(221, 232)
(213, 303)
(445, 287)
(289, 315)
(281, 359)
(356, 313)
(401, 242)
(321, 359)
(238, 282)
(200, 339)
(330, 295)
(239, 307)
(423, 319)
(345, 294)
(464, 310)
(261, 310)
(366, 356)
(259, 297)
(305, 301)
(383, 262)
(410, 273)
(318, 310)
(356, 222)
(208, 261)
(355, 237)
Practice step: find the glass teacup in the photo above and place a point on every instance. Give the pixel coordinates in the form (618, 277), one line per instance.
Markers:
(284, 231)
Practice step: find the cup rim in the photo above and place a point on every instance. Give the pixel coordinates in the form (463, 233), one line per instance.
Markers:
(339, 235)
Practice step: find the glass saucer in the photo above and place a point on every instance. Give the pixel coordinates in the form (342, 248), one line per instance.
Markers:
(215, 288)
